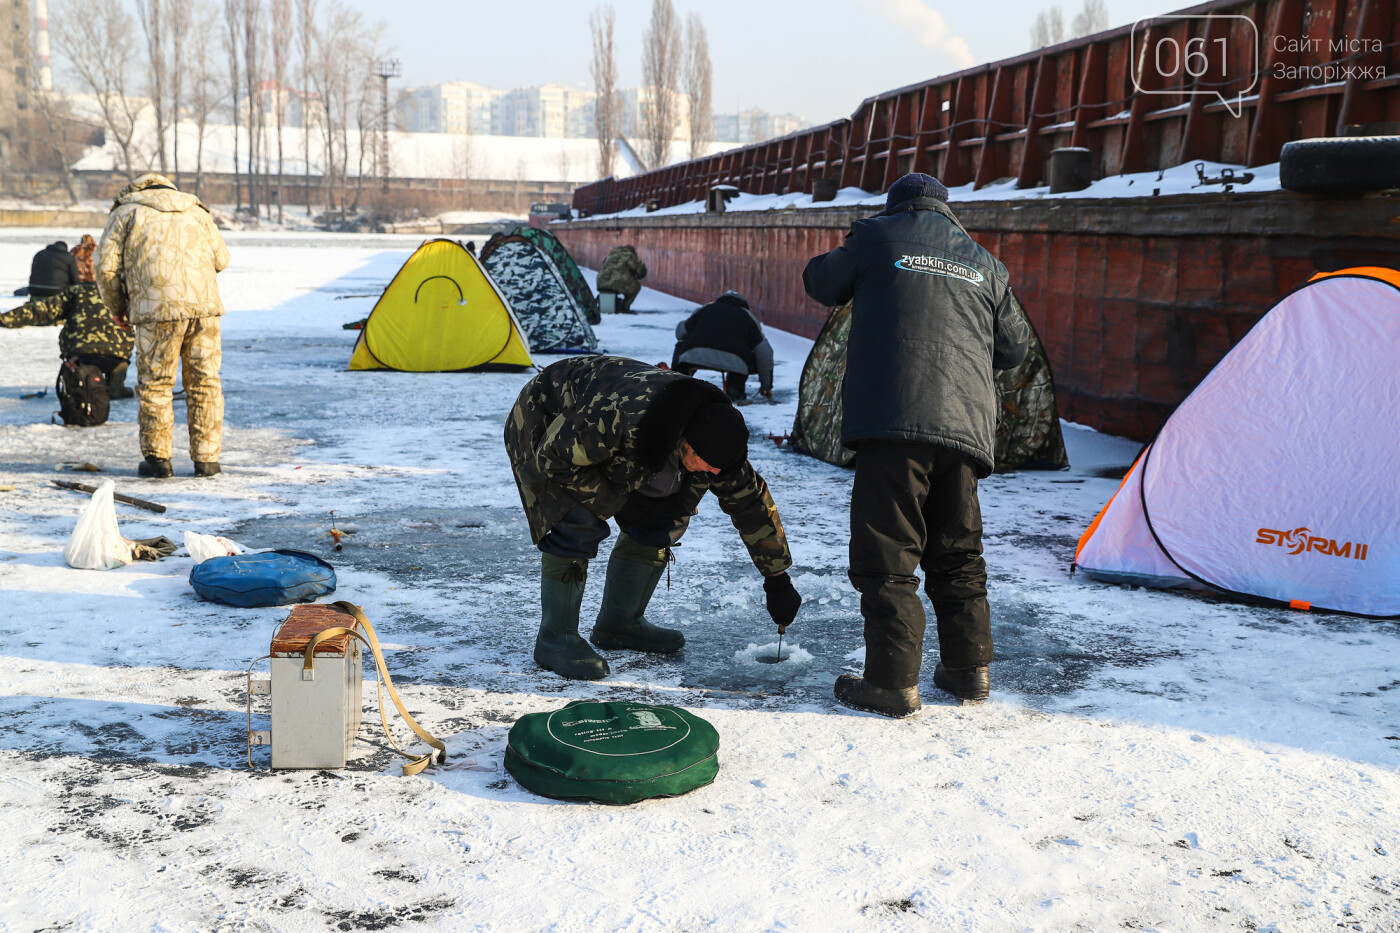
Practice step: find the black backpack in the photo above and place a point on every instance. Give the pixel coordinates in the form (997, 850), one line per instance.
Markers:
(82, 394)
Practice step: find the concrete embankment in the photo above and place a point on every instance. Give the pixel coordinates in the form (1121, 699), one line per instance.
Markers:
(55, 217)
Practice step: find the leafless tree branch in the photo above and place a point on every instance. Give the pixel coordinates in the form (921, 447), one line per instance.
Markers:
(661, 54)
(604, 69)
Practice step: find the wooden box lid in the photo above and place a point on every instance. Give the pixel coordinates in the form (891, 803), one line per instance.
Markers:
(304, 623)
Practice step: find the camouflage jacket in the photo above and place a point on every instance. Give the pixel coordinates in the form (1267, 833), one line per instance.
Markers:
(159, 254)
(88, 327)
(591, 430)
(622, 272)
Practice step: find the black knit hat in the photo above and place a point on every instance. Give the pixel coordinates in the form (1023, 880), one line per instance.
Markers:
(915, 185)
(718, 435)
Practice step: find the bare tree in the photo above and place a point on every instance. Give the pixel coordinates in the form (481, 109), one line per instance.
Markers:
(182, 42)
(661, 54)
(306, 42)
(233, 18)
(281, 51)
(1093, 18)
(98, 37)
(699, 79)
(464, 162)
(252, 75)
(342, 58)
(53, 110)
(1048, 28)
(152, 27)
(204, 85)
(606, 110)
(369, 121)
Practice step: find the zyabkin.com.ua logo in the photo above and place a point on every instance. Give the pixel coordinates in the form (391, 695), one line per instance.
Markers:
(1302, 541)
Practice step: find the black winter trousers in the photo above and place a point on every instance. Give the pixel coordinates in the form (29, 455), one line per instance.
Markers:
(915, 506)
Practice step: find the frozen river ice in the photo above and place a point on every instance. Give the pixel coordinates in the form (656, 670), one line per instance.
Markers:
(1148, 760)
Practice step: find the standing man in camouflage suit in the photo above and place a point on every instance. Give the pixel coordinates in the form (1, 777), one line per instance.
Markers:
(90, 333)
(156, 265)
(932, 317)
(622, 274)
(599, 437)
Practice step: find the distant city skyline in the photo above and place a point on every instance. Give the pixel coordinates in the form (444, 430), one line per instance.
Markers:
(559, 111)
(816, 59)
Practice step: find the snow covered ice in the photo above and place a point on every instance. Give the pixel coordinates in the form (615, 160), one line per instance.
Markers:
(1148, 760)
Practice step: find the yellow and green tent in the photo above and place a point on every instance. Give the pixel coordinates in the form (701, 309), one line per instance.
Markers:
(441, 313)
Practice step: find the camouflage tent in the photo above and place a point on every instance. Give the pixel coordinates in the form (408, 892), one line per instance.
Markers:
(1028, 430)
(568, 269)
(546, 308)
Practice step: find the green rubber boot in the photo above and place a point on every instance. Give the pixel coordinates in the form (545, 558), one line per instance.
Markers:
(633, 572)
(558, 646)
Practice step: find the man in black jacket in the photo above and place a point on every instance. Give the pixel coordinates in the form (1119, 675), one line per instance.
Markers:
(53, 270)
(931, 318)
(725, 336)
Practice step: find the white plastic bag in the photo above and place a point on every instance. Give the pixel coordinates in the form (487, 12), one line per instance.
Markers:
(96, 543)
(203, 547)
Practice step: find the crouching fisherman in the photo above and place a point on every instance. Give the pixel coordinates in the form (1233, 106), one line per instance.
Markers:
(90, 334)
(602, 437)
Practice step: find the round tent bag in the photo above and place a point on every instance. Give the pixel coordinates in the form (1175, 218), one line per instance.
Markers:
(267, 578)
(612, 752)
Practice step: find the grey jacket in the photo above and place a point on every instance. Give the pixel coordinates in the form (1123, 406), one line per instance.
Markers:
(931, 318)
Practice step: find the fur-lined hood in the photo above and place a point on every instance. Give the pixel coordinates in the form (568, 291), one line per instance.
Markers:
(156, 191)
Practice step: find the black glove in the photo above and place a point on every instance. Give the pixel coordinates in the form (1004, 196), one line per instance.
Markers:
(783, 601)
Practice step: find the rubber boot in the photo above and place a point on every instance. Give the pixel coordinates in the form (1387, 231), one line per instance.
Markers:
(155, 468)
(967, 683)
(858, 693)
(116, 382)
(558, 646)
(633, 572)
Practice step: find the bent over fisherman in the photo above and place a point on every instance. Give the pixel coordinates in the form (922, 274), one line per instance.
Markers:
(600, 437)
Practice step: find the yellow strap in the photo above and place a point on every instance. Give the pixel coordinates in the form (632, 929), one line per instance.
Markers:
(371, 641)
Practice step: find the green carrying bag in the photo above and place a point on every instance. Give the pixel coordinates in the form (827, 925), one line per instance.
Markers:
(612, 752)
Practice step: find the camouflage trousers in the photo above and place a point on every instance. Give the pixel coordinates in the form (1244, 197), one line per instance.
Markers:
(160, 349)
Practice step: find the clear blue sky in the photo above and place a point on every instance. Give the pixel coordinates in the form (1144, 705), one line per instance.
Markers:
(818, 58)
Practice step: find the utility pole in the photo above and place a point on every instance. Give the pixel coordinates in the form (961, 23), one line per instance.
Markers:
(386, 68)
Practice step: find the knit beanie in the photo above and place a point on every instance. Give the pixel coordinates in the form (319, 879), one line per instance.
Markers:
(718, 435)
(915, 185)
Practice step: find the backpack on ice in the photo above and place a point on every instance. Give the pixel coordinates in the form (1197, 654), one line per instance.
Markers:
(612, 752)
(82, 394)
(268, 578)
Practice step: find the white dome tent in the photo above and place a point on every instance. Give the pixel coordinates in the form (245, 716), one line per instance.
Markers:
(1276, 479)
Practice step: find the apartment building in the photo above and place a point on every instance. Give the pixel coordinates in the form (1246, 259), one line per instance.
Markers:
(14, 74)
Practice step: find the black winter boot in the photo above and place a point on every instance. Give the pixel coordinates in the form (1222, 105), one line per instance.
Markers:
(558, 646)
(856, 693)
(116, 382)
(155, 468)
(967, 683)
(633, 572)
(206, 468)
